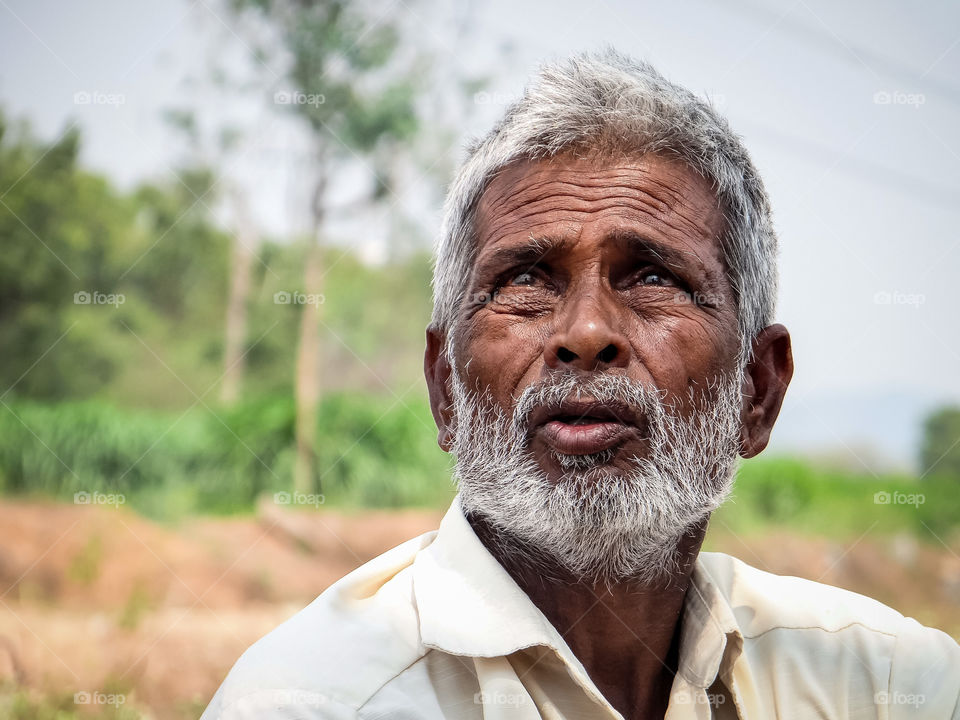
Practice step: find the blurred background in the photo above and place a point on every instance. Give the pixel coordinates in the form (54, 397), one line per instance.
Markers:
(216, 220)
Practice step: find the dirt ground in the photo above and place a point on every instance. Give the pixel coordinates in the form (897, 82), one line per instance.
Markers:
(98, 599)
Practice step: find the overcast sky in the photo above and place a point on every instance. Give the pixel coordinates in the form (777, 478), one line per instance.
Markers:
(851, 112)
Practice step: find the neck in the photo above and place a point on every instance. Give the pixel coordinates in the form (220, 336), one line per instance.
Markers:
(624, 632)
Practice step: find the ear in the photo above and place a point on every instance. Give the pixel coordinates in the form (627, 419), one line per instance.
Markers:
(767, 375)
(436, 369)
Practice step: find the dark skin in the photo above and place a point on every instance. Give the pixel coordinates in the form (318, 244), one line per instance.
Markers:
(606, 265)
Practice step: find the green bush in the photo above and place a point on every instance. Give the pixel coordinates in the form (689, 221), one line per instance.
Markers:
(372, 451)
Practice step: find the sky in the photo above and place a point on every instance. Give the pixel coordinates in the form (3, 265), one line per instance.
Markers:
(851, 112)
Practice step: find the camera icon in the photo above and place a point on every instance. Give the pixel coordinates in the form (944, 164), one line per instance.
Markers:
(81, 498)
(881, 498)
(81, 298)
(81, 98)
(281, 298)
(882, 98)
(82, 698)
(282, 498)
(282, 98)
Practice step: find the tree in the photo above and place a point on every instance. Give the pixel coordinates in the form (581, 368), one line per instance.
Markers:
(940, 448)
(61, 231)
(213, 156)
(354, 104)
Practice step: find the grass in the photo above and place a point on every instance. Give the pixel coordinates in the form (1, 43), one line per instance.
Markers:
(376, 452)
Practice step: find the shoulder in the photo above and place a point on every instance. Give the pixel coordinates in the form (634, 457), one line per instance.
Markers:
(329, 658)
(762, 601)
(819, 632)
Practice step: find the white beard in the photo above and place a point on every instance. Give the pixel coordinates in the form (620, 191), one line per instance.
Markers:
(596, 522)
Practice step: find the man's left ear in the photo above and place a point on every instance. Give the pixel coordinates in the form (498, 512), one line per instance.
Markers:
(765, 382)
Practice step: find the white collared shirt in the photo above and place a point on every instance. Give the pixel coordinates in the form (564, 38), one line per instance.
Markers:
(436, 628)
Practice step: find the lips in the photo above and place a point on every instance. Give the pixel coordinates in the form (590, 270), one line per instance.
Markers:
(583, 427)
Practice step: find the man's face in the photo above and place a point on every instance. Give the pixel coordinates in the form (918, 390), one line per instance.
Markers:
(596, 266)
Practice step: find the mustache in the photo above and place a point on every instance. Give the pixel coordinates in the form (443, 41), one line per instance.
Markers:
(642, 400)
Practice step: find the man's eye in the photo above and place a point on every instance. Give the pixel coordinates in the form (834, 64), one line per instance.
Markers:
(521, 279)
(654, 277)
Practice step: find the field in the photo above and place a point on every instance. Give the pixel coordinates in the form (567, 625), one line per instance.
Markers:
(141, 552)
(102, 601)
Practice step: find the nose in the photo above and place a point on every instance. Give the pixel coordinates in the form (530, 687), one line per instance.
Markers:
(586, 337)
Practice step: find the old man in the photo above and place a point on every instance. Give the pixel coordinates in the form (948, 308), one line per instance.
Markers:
(602, 349)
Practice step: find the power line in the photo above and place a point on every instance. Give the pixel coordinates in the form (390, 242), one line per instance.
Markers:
(875, 62)
(864, 169)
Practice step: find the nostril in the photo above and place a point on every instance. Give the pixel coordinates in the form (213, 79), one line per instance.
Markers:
(564, 355)
(608, 354)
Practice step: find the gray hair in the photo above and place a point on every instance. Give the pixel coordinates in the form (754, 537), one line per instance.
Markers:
(610, 102)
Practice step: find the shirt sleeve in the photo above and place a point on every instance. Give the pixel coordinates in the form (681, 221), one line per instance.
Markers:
(924, 675)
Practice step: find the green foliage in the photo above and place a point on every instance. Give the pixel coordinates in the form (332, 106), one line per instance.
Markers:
(373, 451)
(940, 447)
(93, 282)
(339, 59)
(795, 493)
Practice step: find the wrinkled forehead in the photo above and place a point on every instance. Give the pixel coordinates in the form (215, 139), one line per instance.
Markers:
(657, 194)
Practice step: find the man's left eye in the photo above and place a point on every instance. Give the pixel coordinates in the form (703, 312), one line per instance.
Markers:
(654, 277)
(523, 278)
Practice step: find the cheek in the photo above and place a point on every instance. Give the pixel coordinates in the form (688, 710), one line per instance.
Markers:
(502, 351)
(683, 351)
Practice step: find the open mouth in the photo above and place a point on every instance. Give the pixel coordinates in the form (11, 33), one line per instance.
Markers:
(583, 427)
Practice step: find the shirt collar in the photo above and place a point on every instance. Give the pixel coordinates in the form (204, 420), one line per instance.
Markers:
(469, 605)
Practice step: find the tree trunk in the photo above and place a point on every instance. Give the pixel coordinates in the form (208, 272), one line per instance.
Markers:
(308, 354)
(244, 241)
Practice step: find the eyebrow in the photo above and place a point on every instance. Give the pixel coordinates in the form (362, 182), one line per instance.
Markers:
(638, 244)
(534, 249)
(531, 251)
